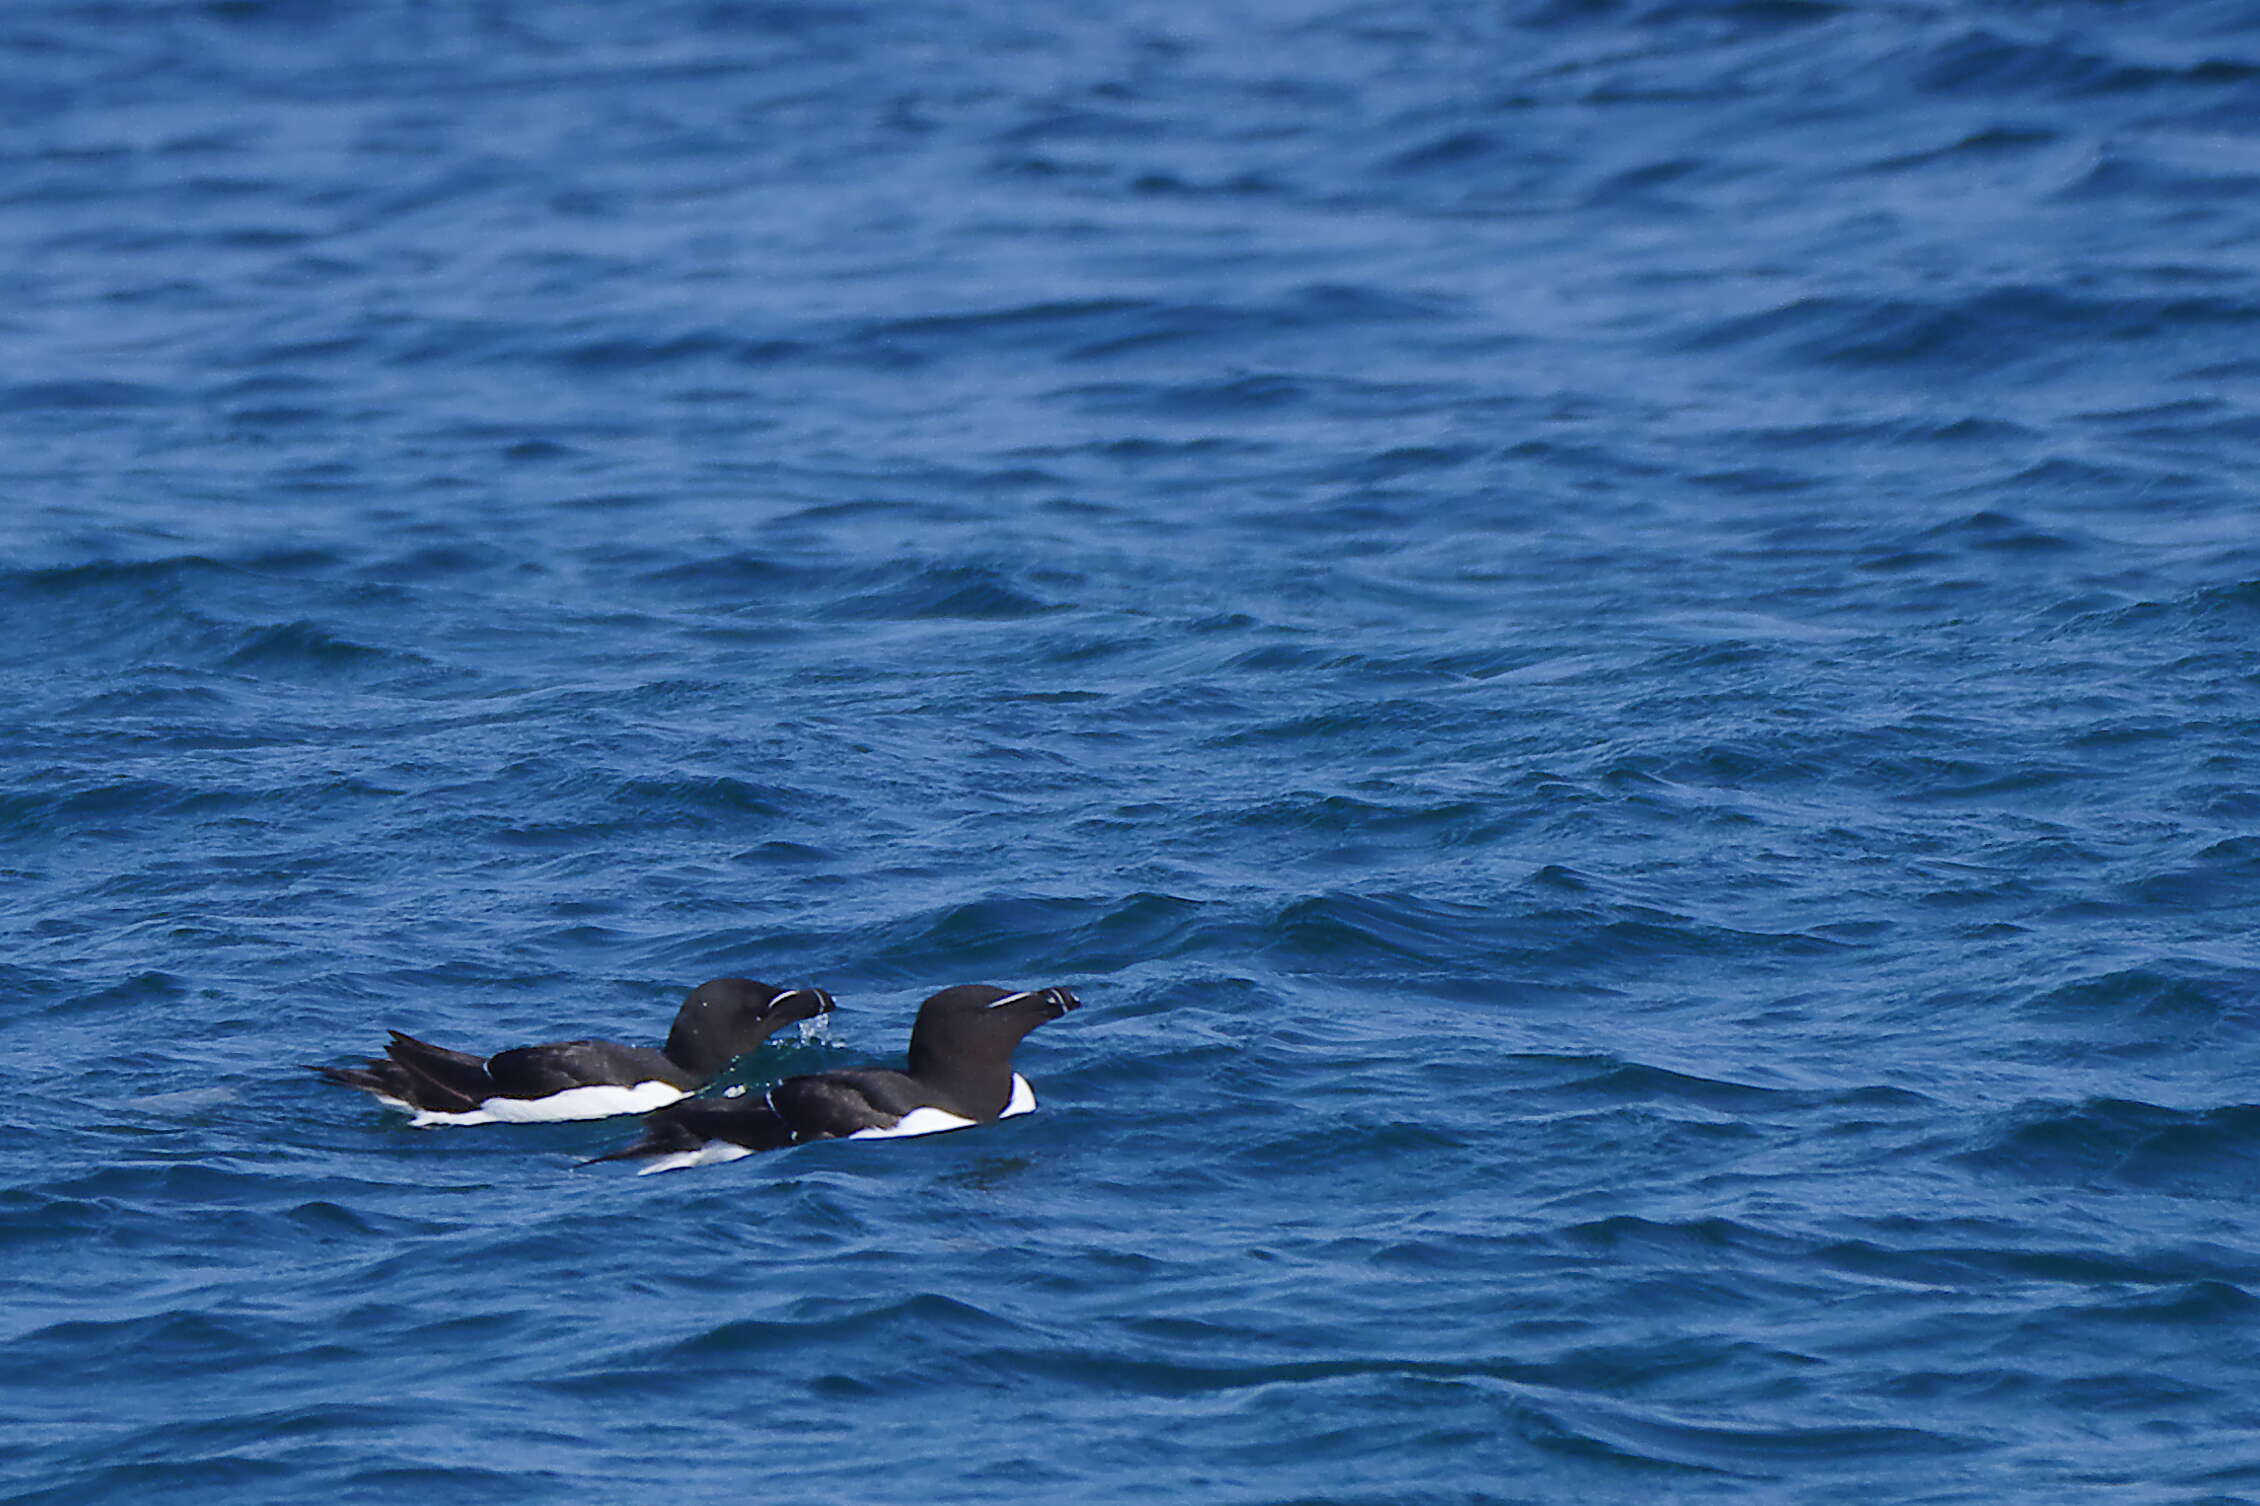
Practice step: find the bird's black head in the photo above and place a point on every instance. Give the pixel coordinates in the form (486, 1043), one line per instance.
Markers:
(724, 1018)
(980, 1021)
(789, 1006)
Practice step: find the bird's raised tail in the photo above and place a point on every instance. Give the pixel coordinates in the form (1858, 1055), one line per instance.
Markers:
(399, 1077)
(459, 1073)
(378, 1077)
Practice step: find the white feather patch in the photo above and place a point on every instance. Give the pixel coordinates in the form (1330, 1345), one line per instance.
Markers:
(598, 1101)
(917, 1122)
(706, 1155)
(931, 1121)
(437, 1119)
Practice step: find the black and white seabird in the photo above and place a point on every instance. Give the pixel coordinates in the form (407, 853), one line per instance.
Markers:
(959, 1074)
(721, 1020)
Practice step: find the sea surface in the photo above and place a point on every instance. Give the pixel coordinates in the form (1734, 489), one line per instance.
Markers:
(1614, 640)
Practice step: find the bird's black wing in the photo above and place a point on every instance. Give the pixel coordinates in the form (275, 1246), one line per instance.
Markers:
(695, 1122)
(829, 1105)
(538, 1071)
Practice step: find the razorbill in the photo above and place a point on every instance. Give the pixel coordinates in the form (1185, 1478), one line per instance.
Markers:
(959, 1074)
(721, 1020)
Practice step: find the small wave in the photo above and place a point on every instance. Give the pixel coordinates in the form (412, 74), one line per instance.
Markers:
(2137, 1011)
(1062, 938)
(1378, 929)
(1986, 145)
(176, 1470)
(174, 1341)
(628, 352)
(748, 577)
(2125, 1142)
(1071, 328)
(2145, 176)
(923, 1319)
(153, 696)
(111, 805)
(2240, 599)
(160, 575)
(1389, 720)
(1956, 1255)
(785, 853)
(1975, 333)
(1700, 1241)
(2200, 1305)
(2219, 875)
(1986, 61)
(703, 799)
(938, 591)
(1222, 399)
(311, 649)
(1445, 822)
(145, 990)
(1382, 929)
(1608, 1080)
(1663, 1436)
(902, 512)
(2000, 533)
(80, 395)
(885, 1343)
(430, 563)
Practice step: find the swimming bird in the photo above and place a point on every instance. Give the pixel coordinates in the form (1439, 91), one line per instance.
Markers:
(721, 1020)
(959, 1074)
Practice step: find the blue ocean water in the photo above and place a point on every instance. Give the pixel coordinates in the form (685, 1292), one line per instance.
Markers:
(1612, 639)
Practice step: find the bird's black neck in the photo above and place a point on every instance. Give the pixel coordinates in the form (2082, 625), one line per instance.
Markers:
(702, 1043)
(979, 1081)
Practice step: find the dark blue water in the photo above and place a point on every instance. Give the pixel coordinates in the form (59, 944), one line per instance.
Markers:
(1615, 642)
